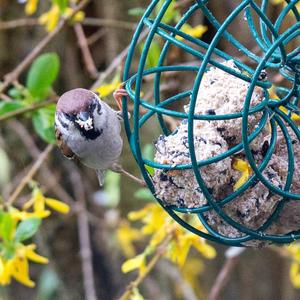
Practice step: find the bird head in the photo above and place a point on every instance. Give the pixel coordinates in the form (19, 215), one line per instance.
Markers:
(78, 114)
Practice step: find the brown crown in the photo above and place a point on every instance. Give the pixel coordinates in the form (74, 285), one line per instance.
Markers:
(75, 101)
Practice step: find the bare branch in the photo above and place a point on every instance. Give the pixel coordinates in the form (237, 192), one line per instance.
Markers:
(35, 167)
(109, 23)
(86, 53)
(4, 25)
(84, 237)
(115, 63)
(13, 75)
(232, 257)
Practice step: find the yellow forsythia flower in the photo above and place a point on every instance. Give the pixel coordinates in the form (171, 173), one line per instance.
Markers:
(138, 262)
(243, 167)
(51, 18)
(58, 206)
(126, 235)
(18, 266)
(295, 274)
(39, 202)
(107, 89)
(196, 31)
(31, 6)
(295, 117)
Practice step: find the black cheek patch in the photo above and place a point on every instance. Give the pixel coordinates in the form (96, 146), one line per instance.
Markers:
(89, 134)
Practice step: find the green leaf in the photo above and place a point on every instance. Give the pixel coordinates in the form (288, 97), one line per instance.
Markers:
(172, 13)
(15, 93)
(6, 227)
(43, 123)
(148, 152)
(153, 54)
(150, 170)
(144, 194)
(6, 107)
(136, 11)
(42, 74)
(62, 4)
(48, 285)
(112, 188)
(27, 228)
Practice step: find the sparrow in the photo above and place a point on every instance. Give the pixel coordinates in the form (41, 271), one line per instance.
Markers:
(87, 129)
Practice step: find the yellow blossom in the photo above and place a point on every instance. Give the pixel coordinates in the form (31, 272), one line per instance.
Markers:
(31, 6)
(159, 225)
(77, 18)
(18, 215)
(294, 117)
(107, 89)
(126, 235)
(58, 206)
(28, 252)
(18, 266)
(295, 274)
(196, 31)
(243, 167)
(39, 203)
(51, 18)
(138, 262)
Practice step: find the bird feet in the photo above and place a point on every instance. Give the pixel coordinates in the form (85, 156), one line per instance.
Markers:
(119, 169)
(118, 94)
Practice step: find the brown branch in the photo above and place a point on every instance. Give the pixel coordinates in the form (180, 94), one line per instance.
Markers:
(93, 38)
(27, 109)
(48, 177)
(115, 63)
(13, 75)
(4, 25)
(224, 274)
(160, 251)
(35, 167)
(109, 23)
(86, 53)
(84, 237)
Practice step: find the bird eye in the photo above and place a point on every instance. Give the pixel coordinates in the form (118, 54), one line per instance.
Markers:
(69, 116)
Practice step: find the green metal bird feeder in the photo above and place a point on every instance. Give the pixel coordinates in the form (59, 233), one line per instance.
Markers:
(275, 54)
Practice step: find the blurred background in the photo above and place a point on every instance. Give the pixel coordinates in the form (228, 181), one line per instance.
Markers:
(87, 247)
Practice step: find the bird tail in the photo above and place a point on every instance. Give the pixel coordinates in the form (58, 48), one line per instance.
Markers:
(100, 174)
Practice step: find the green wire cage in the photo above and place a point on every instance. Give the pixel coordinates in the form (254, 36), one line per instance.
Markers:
(275, 53)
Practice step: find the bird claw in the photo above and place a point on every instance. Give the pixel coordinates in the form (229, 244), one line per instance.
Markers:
(118, 94)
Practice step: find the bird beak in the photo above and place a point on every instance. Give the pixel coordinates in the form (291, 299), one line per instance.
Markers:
(83, 116)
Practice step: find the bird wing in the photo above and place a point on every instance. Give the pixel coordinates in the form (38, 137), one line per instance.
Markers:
(64, 148)
(100, 174)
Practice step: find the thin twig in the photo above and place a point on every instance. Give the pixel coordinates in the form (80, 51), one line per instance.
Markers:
(4, 25)
(93, 38)
(115, 63)
(86, 53)
(23, 110)
(13, 75)
(84, 237)
(48, 177)
(224, 274)
(109, 23)
(35, 167)
(158, 255)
